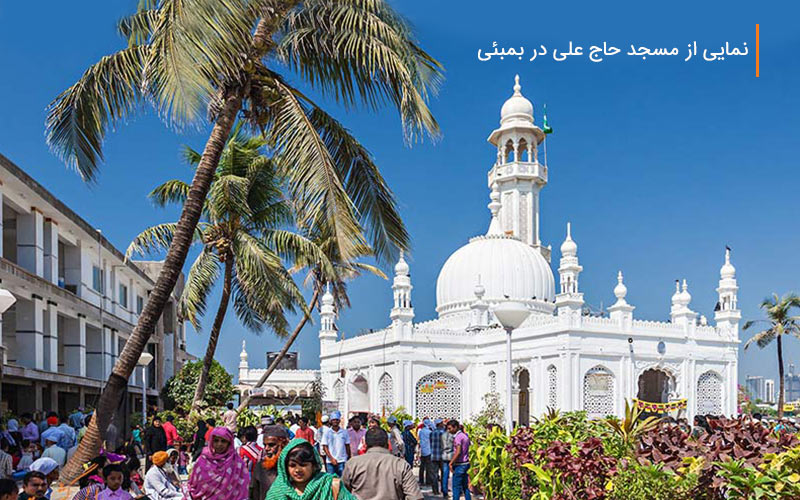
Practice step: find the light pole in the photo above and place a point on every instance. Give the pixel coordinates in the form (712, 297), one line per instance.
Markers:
(510, 315)
(144, 360)
(461, 365)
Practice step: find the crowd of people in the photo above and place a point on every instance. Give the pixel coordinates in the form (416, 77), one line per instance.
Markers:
(281, 458)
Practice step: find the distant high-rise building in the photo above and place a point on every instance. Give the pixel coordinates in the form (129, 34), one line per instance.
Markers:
(769, 391)
(755, 386)
(792, 384)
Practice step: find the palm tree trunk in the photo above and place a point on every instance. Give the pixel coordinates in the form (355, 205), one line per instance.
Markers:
(176, 256)
(286, 346)
(170, 271)
(781, 394)
(213, 338)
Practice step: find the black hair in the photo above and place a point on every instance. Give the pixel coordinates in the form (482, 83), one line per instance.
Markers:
(279, 420)
(453, 423)
(52, 414)
(8, 486)
(211, 422)
(26, 443)
(27, 416)
(304, 420)
(303, 453)
(376, 437)
(33, 474)
(170, 418)
(230, 406)
(156, 417)
(251, 433)
(108, 469)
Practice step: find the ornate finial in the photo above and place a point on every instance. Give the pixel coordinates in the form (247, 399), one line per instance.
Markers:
(677, 286)
(243, 344)
(569, 230)
(727, 255)
(517, 86)
(685, 285)
(620, 291)
(494, 207)
(619, 277)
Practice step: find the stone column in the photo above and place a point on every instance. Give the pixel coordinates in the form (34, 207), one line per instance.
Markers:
(30, 332)
(107, 355)
(30, 241)
(51, 337)
(51, 251)
(75, 346)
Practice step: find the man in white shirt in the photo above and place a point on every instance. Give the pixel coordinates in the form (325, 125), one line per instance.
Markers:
(336, 443)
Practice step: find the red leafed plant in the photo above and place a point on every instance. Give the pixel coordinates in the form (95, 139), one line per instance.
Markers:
(583, 475)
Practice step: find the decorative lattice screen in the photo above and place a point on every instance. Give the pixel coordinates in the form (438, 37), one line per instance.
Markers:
(338, 394)
(709, 394)
(598, 392)
(438, 395)
(492, 382)
(552, 387)
(386, 394)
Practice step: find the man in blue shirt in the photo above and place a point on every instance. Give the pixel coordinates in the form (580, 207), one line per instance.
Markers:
(425, 451)
(336, 443)
(436, 455)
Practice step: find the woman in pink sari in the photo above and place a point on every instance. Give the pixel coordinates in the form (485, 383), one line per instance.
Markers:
(219, 473)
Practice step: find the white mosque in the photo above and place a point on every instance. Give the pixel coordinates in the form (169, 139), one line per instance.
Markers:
(563, 356)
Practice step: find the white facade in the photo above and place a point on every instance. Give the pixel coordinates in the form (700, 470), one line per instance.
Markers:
(77, 301)
(562, 357)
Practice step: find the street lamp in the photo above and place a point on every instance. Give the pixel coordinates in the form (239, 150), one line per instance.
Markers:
(461, 365)
(510, 315)
(144, 360)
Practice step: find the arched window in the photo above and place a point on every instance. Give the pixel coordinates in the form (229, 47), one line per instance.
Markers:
(338, 394)
(492, 381)
(438, 395)
(709, 394)
(386, 394)
(552, 387)
(598, 392)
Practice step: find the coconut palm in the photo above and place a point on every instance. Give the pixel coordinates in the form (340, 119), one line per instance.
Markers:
(781, 322)
(319, 277)
(208, 61)
(242, 233)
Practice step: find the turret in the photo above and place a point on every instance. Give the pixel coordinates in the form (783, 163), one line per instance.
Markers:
(243, 366)
(327, 320)
(517, 171)
(680, 313)
(402, 311)
(569, 301)
(727, 313)
(621, 311)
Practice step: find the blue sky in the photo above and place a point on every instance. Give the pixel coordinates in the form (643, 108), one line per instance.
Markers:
(658, 164)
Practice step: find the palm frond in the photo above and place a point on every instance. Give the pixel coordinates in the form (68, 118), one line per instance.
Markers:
(762, 339)
(158, 238)
(295, 247)
(311, 173)
(228, 198)
(172, 191)
(366, 187)
(199, 282)
(362, 51)
(78, 119)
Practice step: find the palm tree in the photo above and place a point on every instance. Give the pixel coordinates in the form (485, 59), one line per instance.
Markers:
(242, 232)
(778, 311)
(209, 61)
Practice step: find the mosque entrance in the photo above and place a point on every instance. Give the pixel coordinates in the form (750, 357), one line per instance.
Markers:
(655, 386)
(523, 402)
(358, 395)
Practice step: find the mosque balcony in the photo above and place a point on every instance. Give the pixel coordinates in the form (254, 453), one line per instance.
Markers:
(534, 171)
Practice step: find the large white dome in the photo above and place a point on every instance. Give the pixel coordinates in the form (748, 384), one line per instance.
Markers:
(504, 266)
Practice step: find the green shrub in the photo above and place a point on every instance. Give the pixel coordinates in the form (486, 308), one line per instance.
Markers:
(651, 482)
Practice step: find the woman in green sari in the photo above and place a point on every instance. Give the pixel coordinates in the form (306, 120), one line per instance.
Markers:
(301, 476)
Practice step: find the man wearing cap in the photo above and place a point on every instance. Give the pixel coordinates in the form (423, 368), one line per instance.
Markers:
(377, 475)
(51, 437)
(266, 471)
(409, 442)
(157, 484)
(266, 421)
(336, 443)
(325, 427)
(395, 437)
(425, 456)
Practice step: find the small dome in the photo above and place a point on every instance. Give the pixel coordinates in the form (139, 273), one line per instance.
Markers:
(620, 291)
(401, 268)
(327, 299)
(569, 248)
(517, 107)
(685, 296)
(676, 297)
(727, 270)
(508, 270)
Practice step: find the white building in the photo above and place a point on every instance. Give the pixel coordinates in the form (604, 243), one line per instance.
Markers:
(769, 391)
(562, 357)
(77, 301)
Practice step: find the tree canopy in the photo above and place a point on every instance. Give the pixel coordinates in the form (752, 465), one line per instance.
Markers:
(179, 390)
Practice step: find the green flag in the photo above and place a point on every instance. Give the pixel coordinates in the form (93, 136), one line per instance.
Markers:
(547, 129)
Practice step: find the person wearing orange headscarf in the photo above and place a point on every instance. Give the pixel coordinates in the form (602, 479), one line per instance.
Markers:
(157, 484)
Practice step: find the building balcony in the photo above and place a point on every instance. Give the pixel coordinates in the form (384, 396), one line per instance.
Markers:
(534, 171)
